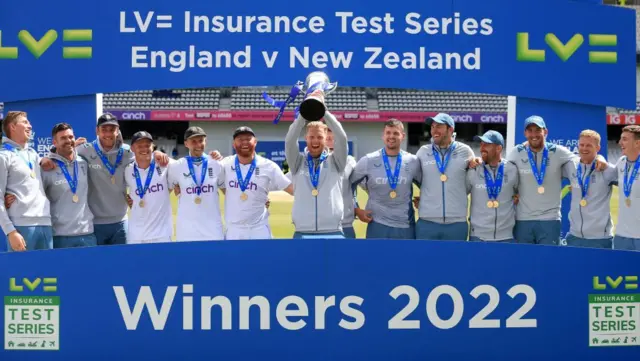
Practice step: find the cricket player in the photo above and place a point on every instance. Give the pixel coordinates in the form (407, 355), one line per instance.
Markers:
(67, 187)
(248, 179)
(318, 177)
(492, 187)
(150, 220)
(107, 157)
(541, 166)
(443, 197)
(628, 228)
(27, 224)
(590, 214)
(197, 175)
(389, 174)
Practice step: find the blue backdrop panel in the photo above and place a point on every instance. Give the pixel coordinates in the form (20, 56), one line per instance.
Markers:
(79, 111)
(565, 122)
(365, 322)
(487, 29)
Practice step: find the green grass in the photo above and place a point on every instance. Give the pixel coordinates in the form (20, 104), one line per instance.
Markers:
(282, 227)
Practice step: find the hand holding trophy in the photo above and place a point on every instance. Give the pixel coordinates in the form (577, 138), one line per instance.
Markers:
(313, 105)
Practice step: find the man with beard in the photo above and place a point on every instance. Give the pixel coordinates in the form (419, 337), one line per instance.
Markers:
(107, 157)
(149, 189)
(27, 224)
(443, 197)
(388, 175)
(67, 188)
(541, 167)
(197, 175)
(248, 179)
(628, 167)
(492, 186)
(590, 214)
(317, 175)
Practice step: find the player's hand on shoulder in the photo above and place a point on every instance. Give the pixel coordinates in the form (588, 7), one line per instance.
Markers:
(474, 162)
(216, 155)
(80, 141)
(47, 164)
(161, 158)
(601, 163)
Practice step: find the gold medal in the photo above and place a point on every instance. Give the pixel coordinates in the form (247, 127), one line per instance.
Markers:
(490, 204)
(75, 198)
(627, 202)
(141, 203)
(198, 200)
(393, 194)
(496, 204)
(541, 190)
(583, 203)
(314, 192)
(244, 196)
(33, 174)
(443, 177)
(113, 180)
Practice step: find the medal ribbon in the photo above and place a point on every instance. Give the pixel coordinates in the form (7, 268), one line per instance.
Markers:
(282, 104)
(244, 183)
(628, 182)
(13, 149)
(314, 173)
(494, 186)
(136, 173)
(543, 165)
(73, 182)
(203, 171)
(584, 185)
(105, 160)
(442, 165)
(392, 178)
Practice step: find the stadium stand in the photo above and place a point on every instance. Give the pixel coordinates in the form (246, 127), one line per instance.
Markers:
(411, 100)
(163, 99)
(341, 98)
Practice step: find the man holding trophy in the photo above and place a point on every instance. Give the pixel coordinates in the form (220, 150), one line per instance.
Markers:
(317, 173)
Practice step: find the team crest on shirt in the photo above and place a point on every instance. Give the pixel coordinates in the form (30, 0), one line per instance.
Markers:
(210, 172)
(159, 171)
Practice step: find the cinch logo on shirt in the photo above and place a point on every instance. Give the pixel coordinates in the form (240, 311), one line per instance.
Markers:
(384, 180)
(234, 184)
(205, 189)
(95, 166)
(152, 189)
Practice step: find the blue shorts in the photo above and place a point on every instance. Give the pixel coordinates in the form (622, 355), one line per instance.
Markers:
(86, 240)
(428, 230)
(538, 232)
(380, 231)
(626, 244)
(329, 235)
(476, 239)
(349, 232)
(111, 234)
(35, 237)
(573, 241)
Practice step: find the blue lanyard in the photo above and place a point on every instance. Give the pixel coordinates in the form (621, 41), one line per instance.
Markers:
(543, 165)
(442, 164)
(584, 185)
(494, 186)
(13, 149)
(73, 182)
(136, 173)
(203, 171)
(105, 160)
(244, 183)
(314, 173)
(628, 182)
(392, 178)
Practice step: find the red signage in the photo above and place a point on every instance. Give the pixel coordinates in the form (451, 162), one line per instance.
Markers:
(268, 116)
(623, 119)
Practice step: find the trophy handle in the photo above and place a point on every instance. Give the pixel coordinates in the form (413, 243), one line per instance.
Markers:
(330, 87)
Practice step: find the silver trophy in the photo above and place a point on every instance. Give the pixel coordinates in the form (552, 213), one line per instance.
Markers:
(318, 87)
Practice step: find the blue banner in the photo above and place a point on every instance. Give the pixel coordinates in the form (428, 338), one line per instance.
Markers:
(325, 300)
(73, 47)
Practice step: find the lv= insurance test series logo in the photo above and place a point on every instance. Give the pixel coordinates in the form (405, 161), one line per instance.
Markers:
(32, 322)
(614, 314)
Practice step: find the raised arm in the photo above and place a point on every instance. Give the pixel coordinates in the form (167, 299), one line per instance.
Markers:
(291, 148)
(340, 145)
